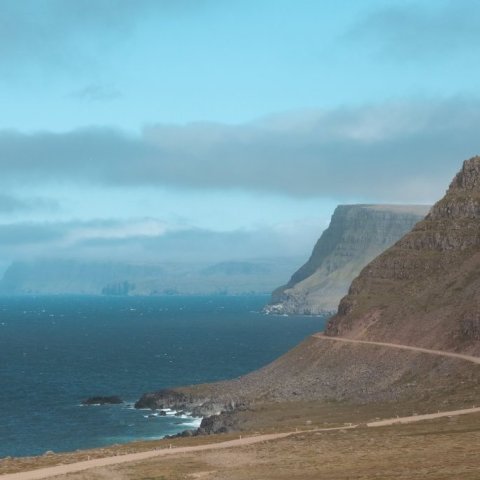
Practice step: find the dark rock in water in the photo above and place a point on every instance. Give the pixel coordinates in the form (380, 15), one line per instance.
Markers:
(163, 413)
(112, 400)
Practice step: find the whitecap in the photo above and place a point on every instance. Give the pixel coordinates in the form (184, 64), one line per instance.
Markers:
(195, 423)
(168, 411)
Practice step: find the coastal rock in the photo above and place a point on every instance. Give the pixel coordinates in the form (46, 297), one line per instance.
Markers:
(222, 423)
(162, 399)
(196, 404)
(356, 235)
(99, 400)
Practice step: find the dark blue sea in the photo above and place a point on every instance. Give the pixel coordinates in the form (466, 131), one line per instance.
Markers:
(57, 351)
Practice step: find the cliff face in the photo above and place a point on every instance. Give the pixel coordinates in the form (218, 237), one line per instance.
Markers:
(356, 235)
(425, 289)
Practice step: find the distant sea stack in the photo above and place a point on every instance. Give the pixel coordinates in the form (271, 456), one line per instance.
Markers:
(355, 236)
(425, 290)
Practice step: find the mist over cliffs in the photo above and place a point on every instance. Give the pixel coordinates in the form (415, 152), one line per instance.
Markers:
(70, 276)
(356, 235)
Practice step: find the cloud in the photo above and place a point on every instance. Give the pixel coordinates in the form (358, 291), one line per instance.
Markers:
(69, 34)
(13, 204)
(96, 93)
(147, 240)
(10, 204)
(420, 30)
(27, 234)
(405, 152)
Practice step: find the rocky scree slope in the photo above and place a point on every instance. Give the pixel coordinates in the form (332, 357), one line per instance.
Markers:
(423, 291)
(356, 235)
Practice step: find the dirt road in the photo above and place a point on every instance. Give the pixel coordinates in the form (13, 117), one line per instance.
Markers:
(134, 457)
(240, 442)
(461, 356)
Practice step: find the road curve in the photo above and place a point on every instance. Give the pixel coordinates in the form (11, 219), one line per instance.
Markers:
(461, 356)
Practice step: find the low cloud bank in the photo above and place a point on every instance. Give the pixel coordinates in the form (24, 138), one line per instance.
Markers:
(403, 152)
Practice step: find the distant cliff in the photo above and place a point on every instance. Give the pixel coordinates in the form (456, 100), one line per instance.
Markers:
(356, 235)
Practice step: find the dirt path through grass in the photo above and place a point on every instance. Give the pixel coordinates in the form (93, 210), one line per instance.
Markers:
(134, 457)
(240, 442)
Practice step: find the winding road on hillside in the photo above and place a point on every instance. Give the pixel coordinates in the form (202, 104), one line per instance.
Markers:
(240, 442)
(461, 356)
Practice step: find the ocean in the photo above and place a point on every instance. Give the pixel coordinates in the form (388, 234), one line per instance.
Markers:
(57, 351)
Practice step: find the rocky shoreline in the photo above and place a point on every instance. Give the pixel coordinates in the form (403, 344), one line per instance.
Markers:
(217, 415)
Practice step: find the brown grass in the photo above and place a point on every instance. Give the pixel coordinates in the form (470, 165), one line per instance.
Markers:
(288, 454)
(436, 450)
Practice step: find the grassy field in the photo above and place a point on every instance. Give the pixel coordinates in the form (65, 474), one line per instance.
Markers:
(441, 449)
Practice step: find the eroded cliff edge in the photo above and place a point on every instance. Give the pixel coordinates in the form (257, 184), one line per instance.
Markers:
(355, 236)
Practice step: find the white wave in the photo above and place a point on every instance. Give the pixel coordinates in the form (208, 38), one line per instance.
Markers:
(168, 411)
(195, 423)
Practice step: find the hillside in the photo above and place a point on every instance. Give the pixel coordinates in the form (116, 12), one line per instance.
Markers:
(355, 236)
(423, 291)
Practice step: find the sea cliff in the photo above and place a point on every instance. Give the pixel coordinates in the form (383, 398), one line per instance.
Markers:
(355, 236)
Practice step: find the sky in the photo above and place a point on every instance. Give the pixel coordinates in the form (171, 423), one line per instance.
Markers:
(128, 126)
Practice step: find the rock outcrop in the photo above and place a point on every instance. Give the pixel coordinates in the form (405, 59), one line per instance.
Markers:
(196, 404)
(356, 235)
